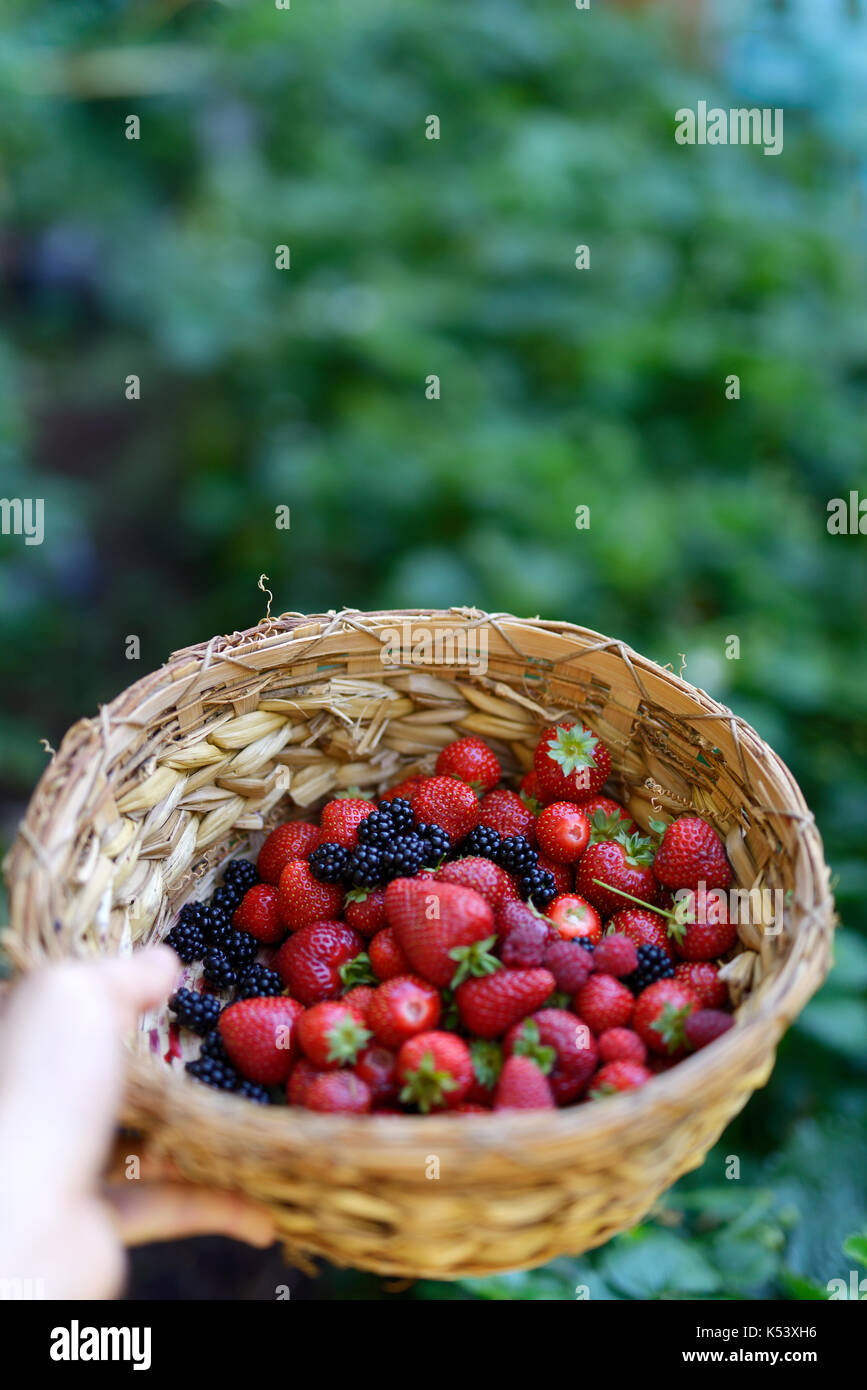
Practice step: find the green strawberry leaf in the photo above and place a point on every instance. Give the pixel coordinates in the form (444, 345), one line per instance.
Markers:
(573, 748)
(358, 971)
(475, 959)
(487, 1062)
(529, 1044)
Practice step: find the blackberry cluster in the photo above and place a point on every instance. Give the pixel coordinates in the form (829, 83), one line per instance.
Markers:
(227, 899)
(366, 866)
(251, 1090)
(195, 914)
(380, 827)
(188, 940)
(538, 887)
(239, 946)
(404, 857)
(214, 1047)
(221, 1075)
(436, 841)
(483, 842)
(653, 965)
(243, 873)
(198, 1012)
(259, 983)
(329, 862)
(401, 814)
(219, 971)
(517, 856)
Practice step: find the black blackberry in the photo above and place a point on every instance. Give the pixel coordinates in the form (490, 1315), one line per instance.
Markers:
(188, 940)
(436, 841)
(484, 842)
(241, 949)
(516, 855)
(227, 898)
(198, 1012)
(194, 912)
(259, 983)
(378, 828)
(404, 857)
(211, 1072)
(251, 1090)
(242, 872)
(653, 965)
(584, 941)
(539, 887)
(215, 922)
(400, 811)
(219, 971)
(366, 868)
(329, 863)
(214, 1047)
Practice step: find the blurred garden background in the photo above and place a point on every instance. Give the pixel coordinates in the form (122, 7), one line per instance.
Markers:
(305, 388)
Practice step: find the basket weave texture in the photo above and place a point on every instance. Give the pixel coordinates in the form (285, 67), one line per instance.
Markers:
(141, 807)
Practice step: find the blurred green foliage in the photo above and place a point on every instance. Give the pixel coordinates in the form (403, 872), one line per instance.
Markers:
(262, 388)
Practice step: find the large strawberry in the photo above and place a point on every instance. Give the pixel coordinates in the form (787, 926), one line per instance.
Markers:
(258, 913)
(303, 899)
(692, 854)
(338, 1092)
(332, 1034)
(447, 802)
(490, 1005)
(445, 931)
(571, 763)
(563, 832)
(309, 962)
(483, 876)
(613, 868)
(505, 812)
(604, 1002)
(260, 1036)
(294, 840)
(341, 818)
(472, 761)
(523, 1086)
(660, 1016)
(435, 1071)
(403, 1007)
(700, 928)
(562, 1045)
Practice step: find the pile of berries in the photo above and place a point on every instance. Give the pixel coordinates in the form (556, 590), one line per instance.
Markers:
(462, 946)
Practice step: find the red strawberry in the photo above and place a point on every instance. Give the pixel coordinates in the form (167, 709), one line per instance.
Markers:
(338, 1092)
(406, 789)
(616, 955)
(643, 927)
(294, 840)
(574, 917)
(705, 1025)
(377, 1067)
(445, 801)
(309, 962)
(570, 965)
(522, 1086)
(300, 1077)
(487, 1060)
(341, 818)
(702, 930)
(661, 1012)
(570, 762)
(386, 957)
(471, 760)
(303, 899)
(505, 812)
(403, 1007)
(704, 981)
(260, 1037)
(607, 818)
(365, 910)
(692, 853)
(434, 1070)
(604, 1003)
(561, 1045)
(563, 832)
(622, 864)
(528, 788)
(332, 1034)
(621, 1045)
(561, 873)
(360, 999)
(488, 879)
(490, 1005)
(258, 914)
(619, 1076)
(445, 932)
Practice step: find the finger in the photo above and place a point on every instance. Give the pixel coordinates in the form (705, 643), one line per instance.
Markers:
(140, 981)
(172, 1211)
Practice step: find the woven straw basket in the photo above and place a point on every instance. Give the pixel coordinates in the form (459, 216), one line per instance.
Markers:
(141, 806)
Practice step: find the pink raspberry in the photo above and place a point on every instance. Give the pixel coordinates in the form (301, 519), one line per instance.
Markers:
(615, 955)
(570, 965)
(525, 946)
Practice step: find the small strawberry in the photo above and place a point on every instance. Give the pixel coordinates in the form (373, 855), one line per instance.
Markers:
(561, 1045)
(643, 927)
(574, 916)
(528, 790)
(332, 1034)
(445, 932)
(336, 1092)
(570, 965)
(403, 1007)
(621, 1075)
(704, 981)
(386, 957)
(487, 1058)
(294, 840)
(258, 914)
(309, 962)
(691, 854)
(360, 999)
(377, 1067)
(340, 819)
(446, 802)
(616, 955)
(607, 818)
(563, 832)
(406, 789)
(701, 929)
(523, 1086)
(622, 865)
(661, 1012)
(570, 762)
(260, 1036)
(365, 910)
(621, 1045)
(300, 1077)
(303, 899)
(472, 761)
(490, 1005)
(505, 812)
(434, 1070)
(604, 1003)
(705, 1025)
(482, 876)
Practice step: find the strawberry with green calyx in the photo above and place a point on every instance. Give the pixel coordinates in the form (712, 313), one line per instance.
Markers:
(570, 762)
(558, 1031)
(607, 826)
(490, 1005)
(615, 869)
(332, 1034)
(700, 928)
(660, 1016)
(474, 961)
(433, 921)
(358, 971)
(573, 916)
(691, 854)
(309, 961)
(524, 1040)
(435, 1071)
(471, 761)
(620, 1075)
(487, 1059)
(364, 910)
(505, 812)
(523, 1086)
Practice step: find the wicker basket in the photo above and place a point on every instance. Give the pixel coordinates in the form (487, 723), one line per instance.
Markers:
(141, 806)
